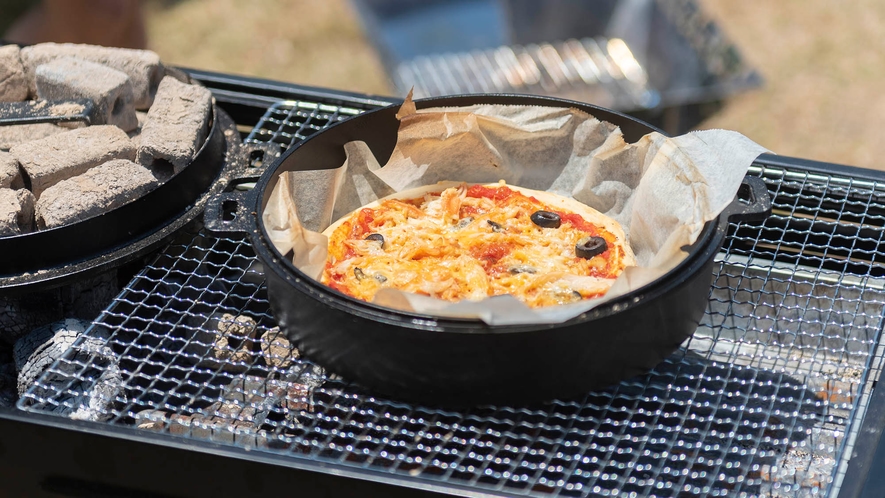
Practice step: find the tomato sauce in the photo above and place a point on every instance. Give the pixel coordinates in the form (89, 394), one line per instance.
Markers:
(340, 287)
(361, 226)
(577, 221)
(489, 254)
(494, 193)
(467, 210)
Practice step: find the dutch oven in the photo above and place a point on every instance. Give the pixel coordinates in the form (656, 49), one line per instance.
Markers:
(49, 258)
(446, 361)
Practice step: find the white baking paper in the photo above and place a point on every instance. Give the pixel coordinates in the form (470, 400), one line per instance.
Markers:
(661, 190)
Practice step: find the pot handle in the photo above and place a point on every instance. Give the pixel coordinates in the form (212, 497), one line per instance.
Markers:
(752, 203)
(228, 213)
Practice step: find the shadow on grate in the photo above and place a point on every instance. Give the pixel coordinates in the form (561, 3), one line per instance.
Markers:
(760, 400)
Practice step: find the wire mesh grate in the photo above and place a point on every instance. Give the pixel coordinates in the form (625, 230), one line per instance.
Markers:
(289, 122)
(759, 401)
(582, 69)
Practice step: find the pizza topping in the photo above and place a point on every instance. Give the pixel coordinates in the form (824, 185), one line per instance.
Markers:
(589, 247)
(364, 218)
(376, 237)
(565, 295)
(522, 269)
(464, 222)
(546, 219)
(451, 203)
(472, 243)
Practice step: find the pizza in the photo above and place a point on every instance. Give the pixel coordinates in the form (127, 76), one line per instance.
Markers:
(455, 241)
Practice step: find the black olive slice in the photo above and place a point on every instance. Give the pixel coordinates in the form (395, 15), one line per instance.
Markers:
(589, 247)
(566, 296)
(496, 227)
(514, 270)
(464, 222)
(377, 237)
(546, 219)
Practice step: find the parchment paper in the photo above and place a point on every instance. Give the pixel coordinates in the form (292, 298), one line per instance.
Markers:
(661, 190)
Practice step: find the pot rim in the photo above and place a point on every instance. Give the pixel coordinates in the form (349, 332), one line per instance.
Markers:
(708, 240)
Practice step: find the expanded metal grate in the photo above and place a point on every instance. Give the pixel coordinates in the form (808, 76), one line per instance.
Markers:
(761, 400)
(289, 122)
(597, 70)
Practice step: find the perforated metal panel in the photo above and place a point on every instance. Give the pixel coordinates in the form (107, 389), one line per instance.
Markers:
(761, 400)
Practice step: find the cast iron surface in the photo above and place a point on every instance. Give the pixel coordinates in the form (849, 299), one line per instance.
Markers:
(53, 257)
(463, 362)
(44, 111)
(466, 362)
(765, 398)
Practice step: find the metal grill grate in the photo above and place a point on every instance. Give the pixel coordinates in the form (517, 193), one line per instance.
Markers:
(288, 122)
(583, 69)
(761, 400)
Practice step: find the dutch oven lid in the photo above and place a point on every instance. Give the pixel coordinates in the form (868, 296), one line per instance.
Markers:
(48, 254)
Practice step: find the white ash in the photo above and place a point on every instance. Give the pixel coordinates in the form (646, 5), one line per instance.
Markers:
(312, 376)
(96, 191)
(10, 175)
(12, 135)
(50, 160)
(16, 212)
(135, 134)
(110, 90)
(87, 367)
(239, 415)
(34, 352)
(277, 350)
(142, 66)
(176, 126)
(223, 341)
(96, 399)
(13, 83)
(65, 109)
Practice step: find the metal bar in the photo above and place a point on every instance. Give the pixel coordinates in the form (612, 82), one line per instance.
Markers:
(851, 172)
(46, 111)
(42, 453)
(287, 91)
(868, 455)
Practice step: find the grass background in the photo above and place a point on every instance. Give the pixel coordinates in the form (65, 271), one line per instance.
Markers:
(823, 61)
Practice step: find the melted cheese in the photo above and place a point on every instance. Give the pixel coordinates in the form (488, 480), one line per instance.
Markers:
(470, 244)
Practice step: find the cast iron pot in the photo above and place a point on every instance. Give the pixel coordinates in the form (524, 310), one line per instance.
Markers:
(465, 362)
(49, 258)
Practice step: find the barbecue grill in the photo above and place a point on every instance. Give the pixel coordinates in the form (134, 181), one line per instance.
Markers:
(775, 394)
